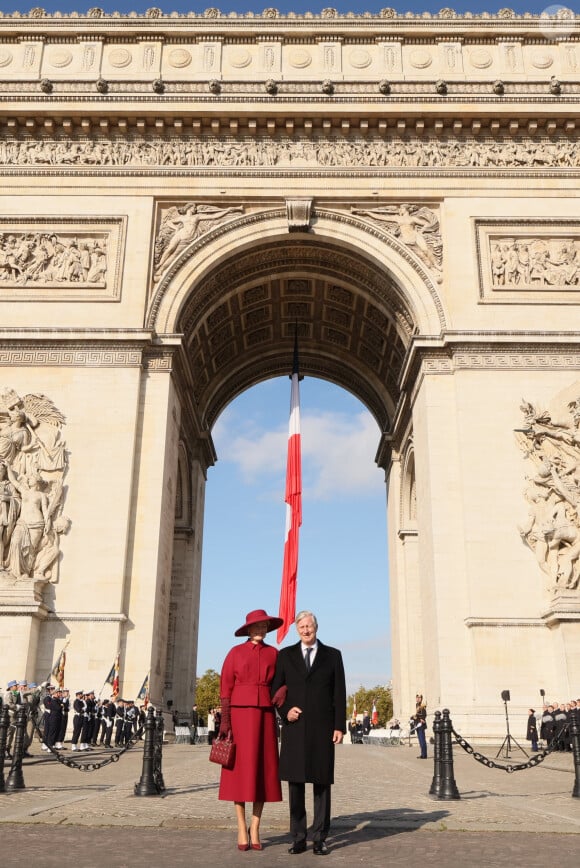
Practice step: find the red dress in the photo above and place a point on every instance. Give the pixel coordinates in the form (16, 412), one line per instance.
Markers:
(246, 676)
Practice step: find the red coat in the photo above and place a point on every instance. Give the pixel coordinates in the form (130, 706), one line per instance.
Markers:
(246, 677)
(247, 674)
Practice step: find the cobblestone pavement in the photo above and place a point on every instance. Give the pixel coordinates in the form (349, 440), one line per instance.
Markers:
(382, 813)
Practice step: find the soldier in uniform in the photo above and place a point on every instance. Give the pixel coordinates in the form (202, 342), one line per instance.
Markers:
(131, 720)
(79, 708)
(65, 704)
(120, 723)
(90, 738)
(32, 699)
(109, 711)
(53, 724)
(12, 702)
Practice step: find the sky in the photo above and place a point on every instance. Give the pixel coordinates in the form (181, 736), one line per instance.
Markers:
(342, 572)
(343, 565)
(536, 7)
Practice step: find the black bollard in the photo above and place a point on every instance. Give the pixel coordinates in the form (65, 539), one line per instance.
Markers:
(146, 786)
(435, 788)
(4, 726)
(575, 739)
(448, 790)
(15, 779)
(158, 770)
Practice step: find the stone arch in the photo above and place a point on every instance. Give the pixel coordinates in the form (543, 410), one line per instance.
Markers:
(356, 294)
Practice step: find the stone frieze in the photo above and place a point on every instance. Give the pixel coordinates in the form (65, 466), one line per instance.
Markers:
(349, 56)
(529, 260)
(70, 259)
(296, 152)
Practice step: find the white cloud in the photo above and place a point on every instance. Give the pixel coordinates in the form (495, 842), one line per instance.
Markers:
(338, 452)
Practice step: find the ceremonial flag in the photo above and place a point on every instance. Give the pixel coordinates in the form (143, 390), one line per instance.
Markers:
(113, 676)
(144, 692)
(58, 669)
(293, 500)
(374, 715)
(354, 709)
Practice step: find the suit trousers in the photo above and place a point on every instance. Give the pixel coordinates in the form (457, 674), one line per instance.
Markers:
(321, 820)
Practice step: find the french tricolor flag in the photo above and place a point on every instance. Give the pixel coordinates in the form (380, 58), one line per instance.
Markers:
(293, 500)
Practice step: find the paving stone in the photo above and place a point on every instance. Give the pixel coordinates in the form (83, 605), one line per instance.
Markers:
(382, 813)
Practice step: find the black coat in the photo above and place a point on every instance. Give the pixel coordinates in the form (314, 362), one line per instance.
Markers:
(307, 752)
(532, 729)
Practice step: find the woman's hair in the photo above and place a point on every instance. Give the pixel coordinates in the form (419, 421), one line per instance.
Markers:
(306, 614)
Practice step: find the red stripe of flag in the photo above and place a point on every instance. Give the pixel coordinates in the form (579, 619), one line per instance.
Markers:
(293, 500)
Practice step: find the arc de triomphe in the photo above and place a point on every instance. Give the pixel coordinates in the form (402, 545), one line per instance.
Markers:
(177, 192)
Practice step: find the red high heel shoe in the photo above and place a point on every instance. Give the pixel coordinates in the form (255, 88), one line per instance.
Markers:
(244, 847)
(251, 845)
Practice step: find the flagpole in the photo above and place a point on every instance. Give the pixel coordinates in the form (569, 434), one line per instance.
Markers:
(49, 676)
(293, 498)
(114, 669)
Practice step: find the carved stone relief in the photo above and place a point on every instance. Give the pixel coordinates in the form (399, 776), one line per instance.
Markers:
(33, 464)
(69, 259)
(416, 226)
(551, 449)
(525, 258)
(315, 152)
(181, 224)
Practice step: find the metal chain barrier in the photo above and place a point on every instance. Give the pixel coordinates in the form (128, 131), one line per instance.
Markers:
(511, 767)
(443, 785)
(151, 782)
(90, 766)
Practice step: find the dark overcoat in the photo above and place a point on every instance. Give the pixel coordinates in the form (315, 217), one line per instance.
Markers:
(307, 750)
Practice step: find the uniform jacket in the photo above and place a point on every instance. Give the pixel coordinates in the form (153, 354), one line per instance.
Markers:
(247, 674)
(307, 752)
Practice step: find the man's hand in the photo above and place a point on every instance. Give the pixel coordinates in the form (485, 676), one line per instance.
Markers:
(337, 736)
(294, 714)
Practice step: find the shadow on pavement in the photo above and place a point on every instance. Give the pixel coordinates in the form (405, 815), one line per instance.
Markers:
(348, 829)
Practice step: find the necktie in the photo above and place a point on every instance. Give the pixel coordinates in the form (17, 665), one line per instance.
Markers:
(307, 658)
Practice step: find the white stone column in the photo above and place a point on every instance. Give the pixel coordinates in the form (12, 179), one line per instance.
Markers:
(148, 579)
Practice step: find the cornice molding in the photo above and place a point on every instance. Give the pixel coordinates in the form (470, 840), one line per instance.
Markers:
(90, 617)
(493, 623)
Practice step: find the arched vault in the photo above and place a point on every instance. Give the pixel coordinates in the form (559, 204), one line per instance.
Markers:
(239, 293)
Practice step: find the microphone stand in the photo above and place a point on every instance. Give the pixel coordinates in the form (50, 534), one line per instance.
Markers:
(506, 745)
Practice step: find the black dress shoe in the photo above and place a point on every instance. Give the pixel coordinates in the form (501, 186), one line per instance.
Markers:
(298, 847)
(320, 849)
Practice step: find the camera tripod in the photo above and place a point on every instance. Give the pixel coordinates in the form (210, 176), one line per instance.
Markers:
(506, 745)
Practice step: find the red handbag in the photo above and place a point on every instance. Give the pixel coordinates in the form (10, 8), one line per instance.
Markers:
(223, 751)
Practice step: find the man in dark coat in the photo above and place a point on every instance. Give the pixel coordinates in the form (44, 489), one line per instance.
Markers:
(310, 692)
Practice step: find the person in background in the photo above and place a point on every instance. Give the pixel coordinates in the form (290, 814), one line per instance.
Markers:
(366, 723)
(532, 730)
(210, 726)
(420, 724)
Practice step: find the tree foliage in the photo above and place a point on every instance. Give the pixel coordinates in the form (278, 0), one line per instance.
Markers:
(207, 692)
(380, 696)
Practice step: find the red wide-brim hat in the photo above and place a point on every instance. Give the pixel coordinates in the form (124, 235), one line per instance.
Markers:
(255, 617)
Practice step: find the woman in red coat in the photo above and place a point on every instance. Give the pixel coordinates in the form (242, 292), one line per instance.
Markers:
(247, 710)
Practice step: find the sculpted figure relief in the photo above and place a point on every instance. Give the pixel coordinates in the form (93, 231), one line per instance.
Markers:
(529, 262)
(416, 226)
(181, 225)
(315, 151)
(552, 527)
(46, 259)
(33, 462)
